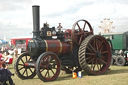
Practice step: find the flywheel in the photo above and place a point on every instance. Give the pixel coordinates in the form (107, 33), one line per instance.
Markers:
(94, 55)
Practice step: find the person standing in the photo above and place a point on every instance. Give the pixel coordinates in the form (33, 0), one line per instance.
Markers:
(15, 53)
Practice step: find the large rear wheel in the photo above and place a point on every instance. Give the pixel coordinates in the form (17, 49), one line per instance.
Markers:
(95, 55)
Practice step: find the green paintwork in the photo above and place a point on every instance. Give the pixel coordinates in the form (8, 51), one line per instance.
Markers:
(119, 40)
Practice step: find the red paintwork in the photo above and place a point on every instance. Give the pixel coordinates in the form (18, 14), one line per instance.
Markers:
(59, 47)
(68, 33)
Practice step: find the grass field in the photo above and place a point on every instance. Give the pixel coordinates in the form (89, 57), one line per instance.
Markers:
(116, 76)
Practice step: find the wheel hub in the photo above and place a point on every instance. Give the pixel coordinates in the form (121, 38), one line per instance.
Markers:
(49, 67)
(98, 55)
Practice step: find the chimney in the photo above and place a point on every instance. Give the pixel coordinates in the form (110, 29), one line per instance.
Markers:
(36, 21)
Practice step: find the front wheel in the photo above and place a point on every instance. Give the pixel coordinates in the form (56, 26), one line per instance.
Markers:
(23, 71)
(48, 66)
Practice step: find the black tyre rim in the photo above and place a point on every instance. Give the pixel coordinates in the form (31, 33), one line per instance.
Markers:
(23, 71)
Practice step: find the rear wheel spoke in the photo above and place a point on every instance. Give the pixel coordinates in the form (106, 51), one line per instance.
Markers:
(103, 61)
(89, 53)
(91, 60)
(100, 44)
(97, 65)
(100, 65)
(92, 47)
(101, 48)
(88, 57)
(104, 52)
(94, 67)
(97, 47)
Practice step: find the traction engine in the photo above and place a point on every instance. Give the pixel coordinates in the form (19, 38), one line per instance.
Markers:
(51, 50)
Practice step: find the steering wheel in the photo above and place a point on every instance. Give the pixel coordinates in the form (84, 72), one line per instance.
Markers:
(79, 33)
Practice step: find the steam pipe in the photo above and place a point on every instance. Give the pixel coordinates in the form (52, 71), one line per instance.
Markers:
(36, 21)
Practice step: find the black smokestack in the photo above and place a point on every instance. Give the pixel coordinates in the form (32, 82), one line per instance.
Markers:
(36, 21)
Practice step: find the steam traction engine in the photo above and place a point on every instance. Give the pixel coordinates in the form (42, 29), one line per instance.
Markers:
(75, 48)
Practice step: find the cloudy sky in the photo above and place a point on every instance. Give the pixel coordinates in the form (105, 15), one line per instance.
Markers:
(16, 15)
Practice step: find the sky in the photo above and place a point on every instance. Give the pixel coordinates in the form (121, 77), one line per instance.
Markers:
(16, 15)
